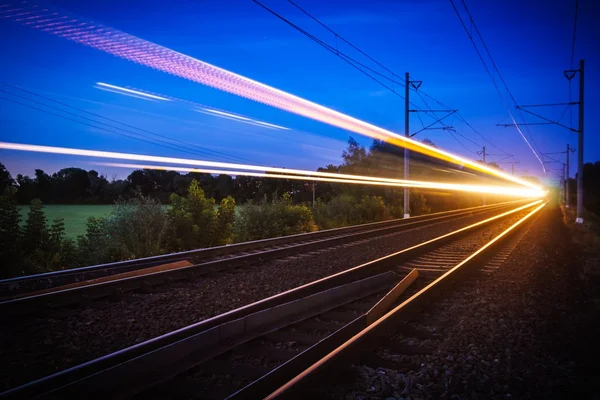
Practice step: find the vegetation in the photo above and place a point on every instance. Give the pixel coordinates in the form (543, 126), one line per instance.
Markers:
(139, 225)
(279, 218)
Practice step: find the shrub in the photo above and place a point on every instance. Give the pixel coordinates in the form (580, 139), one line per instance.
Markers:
(280, 218)
(225, 221)
(138, 227)
(193, 219)
(10, 235)
(372, 209)
(96, 246)
(340, 211)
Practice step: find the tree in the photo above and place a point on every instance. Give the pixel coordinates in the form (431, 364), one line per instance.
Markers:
(44, 186)
(138, 227)
(429, 142)
(355, 154)
(192, 218)
(26, 189)
(36, 231)
(225, 221)
(138, 179)
(10, 234)
(6, 180)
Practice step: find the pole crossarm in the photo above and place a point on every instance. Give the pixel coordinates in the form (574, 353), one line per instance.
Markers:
(432, 111)
(527, 123)
(547, 119)
(433, 123)
(570, 103)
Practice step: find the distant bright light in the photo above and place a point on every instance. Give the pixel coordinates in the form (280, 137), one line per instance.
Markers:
(122, 89)
(161, 58)
(273, 172)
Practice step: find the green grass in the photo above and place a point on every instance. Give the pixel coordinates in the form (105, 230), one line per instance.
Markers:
(75, 216)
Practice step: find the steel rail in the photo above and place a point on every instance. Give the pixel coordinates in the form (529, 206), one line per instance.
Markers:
(130, 366)
(141, 279)
(301, 384)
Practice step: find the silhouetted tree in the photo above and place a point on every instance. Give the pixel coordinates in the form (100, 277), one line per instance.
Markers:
(10, 234)
(6, 180)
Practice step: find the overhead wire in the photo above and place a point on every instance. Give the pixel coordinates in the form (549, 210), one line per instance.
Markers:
(337, 35)
(137, 136)
(572, 59)
(502, 97)
(348, 59)
(201, 150)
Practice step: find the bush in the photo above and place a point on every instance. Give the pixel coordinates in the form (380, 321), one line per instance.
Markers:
(225, 221)
(340, 211)
(10, 235)
(97, 245)
(138, 227)
(372, 209)
(345, 210)
(280, 218)
(193, 219)
(418, 204)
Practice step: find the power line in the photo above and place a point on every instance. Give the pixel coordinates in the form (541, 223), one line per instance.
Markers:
(344, 40)
(490, 72)
(572, 57)
(183, 147)
(463, 120)
(574, 32)
(80, 122)
(349, 60)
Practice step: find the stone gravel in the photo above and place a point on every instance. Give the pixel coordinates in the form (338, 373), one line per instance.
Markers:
(40, 345)
(524, 331)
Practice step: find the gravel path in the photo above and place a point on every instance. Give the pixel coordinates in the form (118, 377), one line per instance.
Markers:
(523, 331)
(36, 346)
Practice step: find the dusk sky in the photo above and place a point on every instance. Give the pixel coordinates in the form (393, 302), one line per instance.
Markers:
(530, 41)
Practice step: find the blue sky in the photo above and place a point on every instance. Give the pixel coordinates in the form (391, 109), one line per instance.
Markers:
(530, 41)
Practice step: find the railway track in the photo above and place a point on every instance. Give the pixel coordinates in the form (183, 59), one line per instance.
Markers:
(32, 293)
(250, 351)
(389, 342)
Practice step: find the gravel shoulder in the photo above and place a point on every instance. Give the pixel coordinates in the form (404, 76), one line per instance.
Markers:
(40, 345)
(527, 330)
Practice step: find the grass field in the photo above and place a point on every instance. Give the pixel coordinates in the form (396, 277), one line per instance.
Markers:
(75, 216)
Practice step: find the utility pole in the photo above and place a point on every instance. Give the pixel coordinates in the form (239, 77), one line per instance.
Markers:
(564, 183)
(407, 134)
(416, 85)
(313, 192)
(579, 219)
(483, 153)
(567, 178)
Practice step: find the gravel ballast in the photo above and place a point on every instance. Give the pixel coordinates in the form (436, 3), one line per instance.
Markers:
(524, 331)
(37, 346)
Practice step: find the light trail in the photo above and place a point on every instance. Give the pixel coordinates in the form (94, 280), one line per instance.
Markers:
(138, 93)
(161, 58)
(500, 190)
(122, 89)
(282, 172)
(239, 118)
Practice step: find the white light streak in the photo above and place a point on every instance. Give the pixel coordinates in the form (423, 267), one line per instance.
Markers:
(122, 89)
(238, 170)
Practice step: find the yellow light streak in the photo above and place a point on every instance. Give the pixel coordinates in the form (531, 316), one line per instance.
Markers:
(514, 191)
(282, 172)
